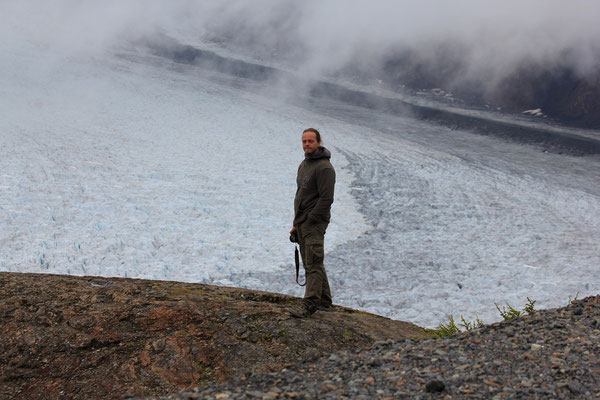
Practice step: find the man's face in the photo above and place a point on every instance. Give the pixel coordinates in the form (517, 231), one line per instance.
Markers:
(309, 143)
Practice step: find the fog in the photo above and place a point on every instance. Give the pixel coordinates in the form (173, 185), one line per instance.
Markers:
(321, 37)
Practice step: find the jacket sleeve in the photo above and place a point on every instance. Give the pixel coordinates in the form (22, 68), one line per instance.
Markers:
(325, 186)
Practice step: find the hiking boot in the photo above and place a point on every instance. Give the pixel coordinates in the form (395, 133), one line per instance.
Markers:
(301, 311)
(325, 307)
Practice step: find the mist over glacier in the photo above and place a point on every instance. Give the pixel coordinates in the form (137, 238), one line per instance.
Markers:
(118, 161)
(490, 40)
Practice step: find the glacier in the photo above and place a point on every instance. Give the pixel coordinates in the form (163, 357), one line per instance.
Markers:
(132, 165)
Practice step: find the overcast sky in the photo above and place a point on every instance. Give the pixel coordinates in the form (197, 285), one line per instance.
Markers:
(322, 35)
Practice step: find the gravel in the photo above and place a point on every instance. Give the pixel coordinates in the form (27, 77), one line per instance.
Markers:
(550, 354)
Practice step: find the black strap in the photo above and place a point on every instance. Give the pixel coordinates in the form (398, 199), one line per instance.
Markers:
(297, 258)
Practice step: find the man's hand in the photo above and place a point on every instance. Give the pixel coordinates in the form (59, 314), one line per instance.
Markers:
(293, 235)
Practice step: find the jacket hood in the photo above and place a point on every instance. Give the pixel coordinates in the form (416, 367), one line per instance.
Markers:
(322, 152)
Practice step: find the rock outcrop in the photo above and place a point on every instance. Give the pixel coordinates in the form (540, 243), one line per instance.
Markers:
(546, 355)
(65, 337)
(564, 95)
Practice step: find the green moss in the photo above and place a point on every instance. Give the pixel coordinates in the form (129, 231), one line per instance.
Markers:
(205, 371)
(266, 337)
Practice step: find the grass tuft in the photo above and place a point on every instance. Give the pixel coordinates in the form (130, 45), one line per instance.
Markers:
(507, 313)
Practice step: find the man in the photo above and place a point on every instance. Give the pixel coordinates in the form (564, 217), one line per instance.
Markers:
(312, 205)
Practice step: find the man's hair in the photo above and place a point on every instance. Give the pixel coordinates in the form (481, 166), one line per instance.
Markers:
(316, 132)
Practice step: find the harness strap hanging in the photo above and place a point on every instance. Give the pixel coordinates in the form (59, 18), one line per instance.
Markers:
(297, 259)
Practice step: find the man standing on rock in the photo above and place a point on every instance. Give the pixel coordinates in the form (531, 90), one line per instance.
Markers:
(312, 212)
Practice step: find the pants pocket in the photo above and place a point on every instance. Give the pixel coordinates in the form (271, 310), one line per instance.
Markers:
(313, 237)
(314, 255)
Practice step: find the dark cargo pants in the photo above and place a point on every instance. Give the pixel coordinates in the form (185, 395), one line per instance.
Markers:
(311, 238)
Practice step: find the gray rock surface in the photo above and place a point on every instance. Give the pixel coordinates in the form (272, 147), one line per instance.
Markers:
(551, 354)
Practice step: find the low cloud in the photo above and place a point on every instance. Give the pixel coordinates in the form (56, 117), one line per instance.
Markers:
(491, 39)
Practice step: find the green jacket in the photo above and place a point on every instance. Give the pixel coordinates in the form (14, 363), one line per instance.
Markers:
(316, 181)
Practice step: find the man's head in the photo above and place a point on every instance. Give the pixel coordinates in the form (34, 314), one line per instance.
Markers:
(311, 140)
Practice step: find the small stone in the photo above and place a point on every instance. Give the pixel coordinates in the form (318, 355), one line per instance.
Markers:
(556, 360)
(435, 386)
(536, 346)
(527, 356)
(375, 362)
(526, 383)
(574, 387)
(159, 345)
(219, 396)
(328, 388)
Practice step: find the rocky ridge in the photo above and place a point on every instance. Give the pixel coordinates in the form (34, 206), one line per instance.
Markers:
(66, 337)
(552, 354)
